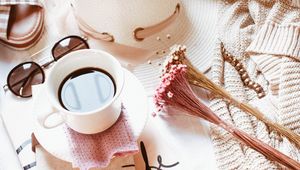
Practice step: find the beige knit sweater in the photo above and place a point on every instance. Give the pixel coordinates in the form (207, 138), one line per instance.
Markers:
(265, 35)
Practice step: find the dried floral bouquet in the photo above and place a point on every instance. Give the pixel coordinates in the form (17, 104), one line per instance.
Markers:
(195, 77)
(175, 91)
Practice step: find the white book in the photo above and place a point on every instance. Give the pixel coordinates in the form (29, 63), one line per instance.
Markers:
(17, 118)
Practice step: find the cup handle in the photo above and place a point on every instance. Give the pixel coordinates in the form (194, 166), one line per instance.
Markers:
(43, 116)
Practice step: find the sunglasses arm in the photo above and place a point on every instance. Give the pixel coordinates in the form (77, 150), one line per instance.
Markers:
(47, 64)
(32, 56)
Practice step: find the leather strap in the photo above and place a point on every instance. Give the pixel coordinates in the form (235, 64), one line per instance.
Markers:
(130, 54)
(141, 33)
(5, 7)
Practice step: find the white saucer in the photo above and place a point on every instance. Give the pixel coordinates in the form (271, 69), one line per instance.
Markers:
(135, 101)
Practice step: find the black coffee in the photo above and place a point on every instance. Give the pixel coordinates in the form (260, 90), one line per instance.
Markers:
(86, 89)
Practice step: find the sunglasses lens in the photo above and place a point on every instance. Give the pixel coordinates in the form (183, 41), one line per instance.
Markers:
(67, 45)
(22, 77)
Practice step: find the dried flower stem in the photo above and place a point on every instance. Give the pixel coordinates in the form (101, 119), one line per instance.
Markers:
(176, 92)
(197, 78)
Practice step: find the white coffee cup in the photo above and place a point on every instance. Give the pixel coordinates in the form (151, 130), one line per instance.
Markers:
(83, 122)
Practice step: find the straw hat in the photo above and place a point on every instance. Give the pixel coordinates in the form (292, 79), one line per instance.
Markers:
(192, 24)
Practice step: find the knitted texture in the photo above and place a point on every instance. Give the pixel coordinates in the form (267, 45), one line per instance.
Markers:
(265, 36)
(96, 150)
(295, 3)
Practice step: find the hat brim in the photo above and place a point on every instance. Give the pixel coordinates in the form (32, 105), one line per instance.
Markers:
(195, 28)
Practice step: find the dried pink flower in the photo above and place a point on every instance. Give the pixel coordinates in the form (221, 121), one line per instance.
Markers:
(175, 91)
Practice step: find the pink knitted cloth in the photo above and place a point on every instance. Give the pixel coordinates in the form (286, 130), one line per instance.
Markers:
(96, 150)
